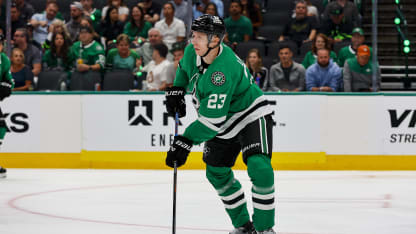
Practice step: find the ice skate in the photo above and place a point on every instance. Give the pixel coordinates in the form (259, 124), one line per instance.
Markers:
(268, 231)
(2, 172)
(247, 228)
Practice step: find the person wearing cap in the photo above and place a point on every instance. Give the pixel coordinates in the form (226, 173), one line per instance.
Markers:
(93, 13)
(87, 53)
(350, 11)
(358, 72)
(74, 23)
(41, 22)
(349, 51)
(178, 49)
(335, 25)
(6, 86)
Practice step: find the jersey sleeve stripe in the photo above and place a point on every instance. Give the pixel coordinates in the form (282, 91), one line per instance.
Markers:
(208, 124)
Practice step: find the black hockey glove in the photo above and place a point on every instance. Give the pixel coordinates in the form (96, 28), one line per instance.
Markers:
(5, 90)
(175, 101)
(178, 151)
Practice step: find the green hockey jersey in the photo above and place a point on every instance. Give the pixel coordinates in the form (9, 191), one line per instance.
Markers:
(224, 95)
(5, 74)
(90, 54)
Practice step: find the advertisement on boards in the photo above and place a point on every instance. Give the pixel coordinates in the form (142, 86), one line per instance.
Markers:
(42, 124)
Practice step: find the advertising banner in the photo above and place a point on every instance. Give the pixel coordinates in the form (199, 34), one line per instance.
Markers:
(398, 115)
(42, 124)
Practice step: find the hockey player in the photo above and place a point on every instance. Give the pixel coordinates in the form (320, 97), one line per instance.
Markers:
(233, 116)
(6, 86)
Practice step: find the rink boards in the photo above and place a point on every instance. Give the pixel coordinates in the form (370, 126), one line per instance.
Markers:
(132, 130)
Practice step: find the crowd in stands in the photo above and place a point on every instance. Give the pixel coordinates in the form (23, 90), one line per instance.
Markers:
(303, 45)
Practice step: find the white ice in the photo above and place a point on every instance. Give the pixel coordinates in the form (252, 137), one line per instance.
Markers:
(46, 201)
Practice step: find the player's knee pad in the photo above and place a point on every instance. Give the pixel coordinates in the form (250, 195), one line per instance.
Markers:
(260, 171)
(219, 177)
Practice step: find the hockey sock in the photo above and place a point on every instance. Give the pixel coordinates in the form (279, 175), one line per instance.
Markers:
(231, 193)
(261, 174)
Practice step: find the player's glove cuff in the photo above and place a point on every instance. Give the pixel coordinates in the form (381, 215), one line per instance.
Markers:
(178, 151)
(175, 101)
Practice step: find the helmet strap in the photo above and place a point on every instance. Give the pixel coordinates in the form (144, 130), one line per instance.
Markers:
(210, 36)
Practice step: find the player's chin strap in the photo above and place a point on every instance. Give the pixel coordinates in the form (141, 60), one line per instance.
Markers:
(210, 48)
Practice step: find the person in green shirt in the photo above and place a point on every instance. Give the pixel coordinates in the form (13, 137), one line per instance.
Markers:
(58, 56)
(88, 54)
(321, 41)
(350, 51)
(123, 57)
(6, 86)
(233, 116)
(358, 72)
(239, 27)
(93, 13)
(137, 28)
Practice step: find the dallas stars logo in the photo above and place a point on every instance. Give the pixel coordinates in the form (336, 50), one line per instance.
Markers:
(218, 78)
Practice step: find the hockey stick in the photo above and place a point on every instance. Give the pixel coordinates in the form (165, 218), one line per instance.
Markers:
(175, 175)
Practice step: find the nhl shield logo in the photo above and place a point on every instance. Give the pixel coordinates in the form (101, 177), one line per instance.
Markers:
(218, 78)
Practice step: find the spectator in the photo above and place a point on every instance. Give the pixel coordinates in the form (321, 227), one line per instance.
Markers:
(358, 72)
(58, 56)
(311, 10)
(350, 11)
(181, 10)
(40, 22)
(347, 52)
(74, 25)
(158, 69)
(287, 75)
(178, 50)
(252, 10)
(87, 22)
(111, 26)
(93, 13)
(17, 22)
(32, 55)
(122, 57)
(336, 26)
(324, 75)
(146, 50)
(199, 7)
(21, 73)
(26, 9)
(238, 26)
(211, 9)
(172, 28)
(256, 68)
(320, 42)
(88, 54)
(152, 10)
(137, 28)
(123, 10)
(302, 28)
(58, 26)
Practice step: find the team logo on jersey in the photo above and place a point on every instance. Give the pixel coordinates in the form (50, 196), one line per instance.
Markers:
(218, 78)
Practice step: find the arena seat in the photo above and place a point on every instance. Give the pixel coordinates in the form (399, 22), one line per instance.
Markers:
(118, 80)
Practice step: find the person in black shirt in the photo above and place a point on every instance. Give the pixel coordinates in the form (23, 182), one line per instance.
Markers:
(302, 28)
